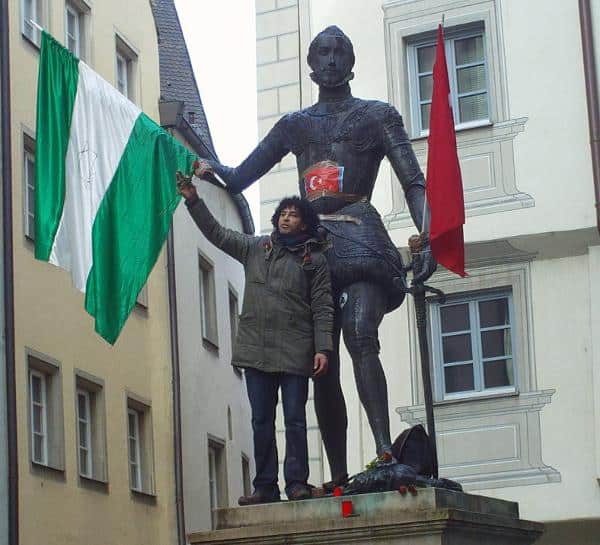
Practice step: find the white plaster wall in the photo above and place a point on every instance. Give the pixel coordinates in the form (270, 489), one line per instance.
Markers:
(209, 385)
(545, 84)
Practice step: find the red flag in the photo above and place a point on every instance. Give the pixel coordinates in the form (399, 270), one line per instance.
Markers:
(444, 182)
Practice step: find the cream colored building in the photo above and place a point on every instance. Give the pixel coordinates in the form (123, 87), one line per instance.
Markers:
(95, 432)
(515, 351)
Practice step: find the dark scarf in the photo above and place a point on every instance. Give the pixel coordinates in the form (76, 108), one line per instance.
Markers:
(292, 240)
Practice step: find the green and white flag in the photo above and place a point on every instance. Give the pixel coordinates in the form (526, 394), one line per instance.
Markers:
(105, 185)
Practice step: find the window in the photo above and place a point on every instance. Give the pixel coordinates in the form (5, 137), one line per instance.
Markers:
(91, 427)
(467, 72)
(125, 68)
(73, 29)
(45, 413)
(122, 74)
(217, 477)
(29, 186)
(32, 20)
(208, 306)
(246, 484)
(139, 446)
(39, 417)
(473, 345)
(84, 433)
(135, 457)
(234, 318)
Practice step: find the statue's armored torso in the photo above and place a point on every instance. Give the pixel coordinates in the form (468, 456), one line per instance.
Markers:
(353, 133)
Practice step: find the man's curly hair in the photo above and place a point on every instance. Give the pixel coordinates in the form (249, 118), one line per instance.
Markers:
(309, 217)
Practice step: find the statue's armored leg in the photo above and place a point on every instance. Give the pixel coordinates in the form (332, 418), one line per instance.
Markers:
(361, 315)
(331, 412)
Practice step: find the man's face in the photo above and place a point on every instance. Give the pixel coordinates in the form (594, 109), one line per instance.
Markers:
(290, 222)
(331, 61)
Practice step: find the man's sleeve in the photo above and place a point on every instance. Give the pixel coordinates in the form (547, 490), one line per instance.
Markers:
(321, 304)
(231, 242)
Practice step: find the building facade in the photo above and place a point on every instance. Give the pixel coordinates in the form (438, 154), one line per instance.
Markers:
(95, 422)
(515, 353)
(216, 436)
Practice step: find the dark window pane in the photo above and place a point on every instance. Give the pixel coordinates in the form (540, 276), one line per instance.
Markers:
(425, 113)
(36, 389)
(425, 58)
(455, 318)
(37, 419)
(469, 50)
(492, 313)
(82, 407)
(132, 450)
(473, 107)
(457, 348)
(471, 79)
(83, 461)
(498, 373)
(83, 434)
(38, 448)
(425, 87)
(459, 378)
(496, 343)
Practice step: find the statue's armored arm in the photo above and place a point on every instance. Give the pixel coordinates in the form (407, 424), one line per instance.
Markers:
(398, 150)
(267, 154)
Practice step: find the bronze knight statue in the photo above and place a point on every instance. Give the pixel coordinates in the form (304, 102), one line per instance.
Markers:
(339, 143)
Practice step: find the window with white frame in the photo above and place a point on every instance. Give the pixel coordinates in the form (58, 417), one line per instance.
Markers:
(135, 455)
(91, 427)
(39, 417)
(139, 446)
(234, 319)
(46, 426)
(32, 19)
(208, 305)
(125, 68)
(84, 433)
(473, 345)
(467, 72)
(217, 477)
(73, 29)
(122, 74)
(29, 187)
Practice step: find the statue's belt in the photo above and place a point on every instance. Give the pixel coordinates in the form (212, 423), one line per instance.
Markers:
(347, 197)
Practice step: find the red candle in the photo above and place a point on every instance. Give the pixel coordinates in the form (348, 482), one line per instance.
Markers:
(346, 508)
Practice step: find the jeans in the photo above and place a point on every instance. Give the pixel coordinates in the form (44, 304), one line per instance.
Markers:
(263, 389)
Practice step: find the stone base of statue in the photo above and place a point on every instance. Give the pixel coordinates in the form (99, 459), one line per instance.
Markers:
(424, 517)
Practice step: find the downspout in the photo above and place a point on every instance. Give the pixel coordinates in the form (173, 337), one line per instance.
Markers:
(591, 92)
(176, 381)
(7, 265)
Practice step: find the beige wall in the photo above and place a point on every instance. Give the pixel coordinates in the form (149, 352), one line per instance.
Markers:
(55, 506)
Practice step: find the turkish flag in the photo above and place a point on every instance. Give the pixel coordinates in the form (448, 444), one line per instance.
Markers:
(444, 182)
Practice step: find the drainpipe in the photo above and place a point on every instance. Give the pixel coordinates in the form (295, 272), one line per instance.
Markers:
(591, 93)
(7, 272)
(176, 384)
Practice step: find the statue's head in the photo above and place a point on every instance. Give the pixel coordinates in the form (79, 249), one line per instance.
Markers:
(331, 57)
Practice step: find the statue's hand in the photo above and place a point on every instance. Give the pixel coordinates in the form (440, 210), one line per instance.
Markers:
(202, 168)
(425, 266)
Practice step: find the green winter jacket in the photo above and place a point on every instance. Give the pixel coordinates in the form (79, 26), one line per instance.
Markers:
(287, 313)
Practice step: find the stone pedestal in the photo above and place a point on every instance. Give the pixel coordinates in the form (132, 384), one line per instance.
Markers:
(429, 517)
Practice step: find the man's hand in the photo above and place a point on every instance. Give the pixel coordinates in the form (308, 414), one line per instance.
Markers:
(185, 186)
(321, 362)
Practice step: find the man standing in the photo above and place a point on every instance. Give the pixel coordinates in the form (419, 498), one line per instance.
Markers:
(285, 332)
(339, 144)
